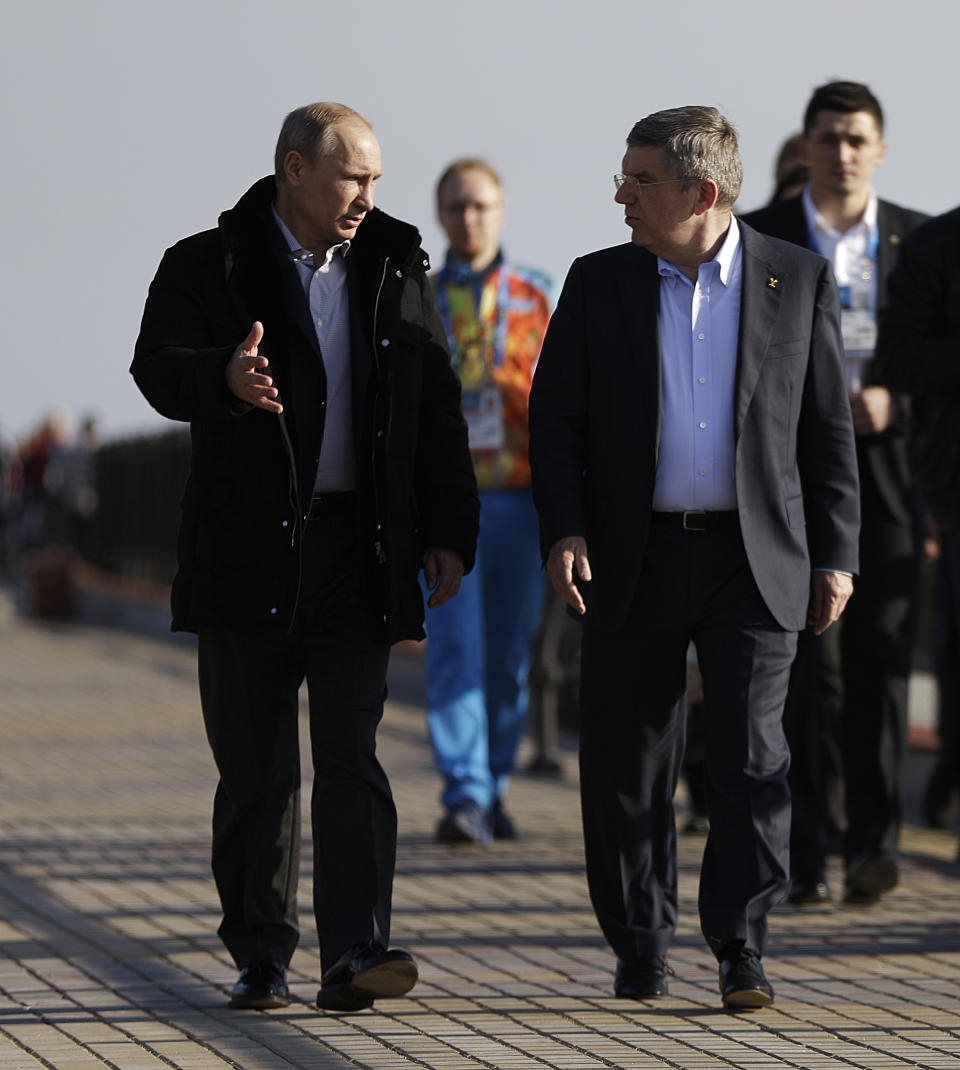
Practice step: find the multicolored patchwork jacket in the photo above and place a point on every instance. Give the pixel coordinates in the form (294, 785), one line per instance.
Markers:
(495, 323)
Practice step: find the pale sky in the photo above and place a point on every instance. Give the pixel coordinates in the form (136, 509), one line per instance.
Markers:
(130, 125)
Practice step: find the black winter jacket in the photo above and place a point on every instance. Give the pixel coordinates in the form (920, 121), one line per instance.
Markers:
(251, 472)
(918, 352)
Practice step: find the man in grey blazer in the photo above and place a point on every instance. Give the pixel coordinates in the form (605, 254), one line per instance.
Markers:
(695, 475)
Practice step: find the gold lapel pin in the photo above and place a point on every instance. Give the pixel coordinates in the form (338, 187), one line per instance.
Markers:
(772, 282)
(894, 239)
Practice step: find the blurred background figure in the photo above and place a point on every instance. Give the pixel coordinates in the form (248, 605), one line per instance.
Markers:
(848, 689)
(791, 172)
(38, 484)
(76, 493)
(479, 644)
(918, 352)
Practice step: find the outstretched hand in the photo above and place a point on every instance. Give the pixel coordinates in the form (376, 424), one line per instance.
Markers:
(246, 376)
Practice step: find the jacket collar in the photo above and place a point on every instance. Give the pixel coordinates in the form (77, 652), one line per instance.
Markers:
(765, 280)
(248, 228)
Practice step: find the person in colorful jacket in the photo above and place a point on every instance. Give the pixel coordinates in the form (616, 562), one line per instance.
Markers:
(479, 647)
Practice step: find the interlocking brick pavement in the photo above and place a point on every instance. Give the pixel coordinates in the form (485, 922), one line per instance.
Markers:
(108, 913)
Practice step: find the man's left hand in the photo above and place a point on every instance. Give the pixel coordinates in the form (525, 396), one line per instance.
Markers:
(443, 570)
(829, 593)
(872, 410)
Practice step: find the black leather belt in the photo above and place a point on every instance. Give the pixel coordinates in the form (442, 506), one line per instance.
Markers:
(691, 520)
(332, 499)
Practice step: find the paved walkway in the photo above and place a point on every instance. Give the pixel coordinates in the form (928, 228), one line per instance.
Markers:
(109, 958)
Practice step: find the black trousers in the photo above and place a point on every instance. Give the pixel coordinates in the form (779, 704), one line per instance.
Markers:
(249, 692)
(848, 696)
(694, 586)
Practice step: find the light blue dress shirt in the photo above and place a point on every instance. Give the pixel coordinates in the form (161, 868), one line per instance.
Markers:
(699, 330)
(325, 287)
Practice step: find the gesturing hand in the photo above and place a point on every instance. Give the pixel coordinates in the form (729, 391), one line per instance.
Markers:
(245, 376)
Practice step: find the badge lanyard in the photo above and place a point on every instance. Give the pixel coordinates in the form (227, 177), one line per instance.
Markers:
(445, 278)
(873, 242)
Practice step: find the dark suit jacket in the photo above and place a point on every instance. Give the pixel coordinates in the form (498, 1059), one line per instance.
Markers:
(595, 413)
(885, 454)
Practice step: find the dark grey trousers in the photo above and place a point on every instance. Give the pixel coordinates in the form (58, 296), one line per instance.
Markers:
(694, 586)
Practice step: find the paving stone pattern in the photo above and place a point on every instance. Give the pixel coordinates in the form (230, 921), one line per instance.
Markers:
(108, 916)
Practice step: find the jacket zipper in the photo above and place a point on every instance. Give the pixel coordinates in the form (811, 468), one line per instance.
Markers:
(296, 536)
(378, 541)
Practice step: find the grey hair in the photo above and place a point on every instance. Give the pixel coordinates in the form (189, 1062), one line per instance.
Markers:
(700, 143)
(310, 131)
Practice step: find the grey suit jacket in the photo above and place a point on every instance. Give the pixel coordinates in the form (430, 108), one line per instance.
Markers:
(595, 412)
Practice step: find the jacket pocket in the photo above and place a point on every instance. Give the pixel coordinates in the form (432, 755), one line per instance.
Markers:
(796, 517)
(779, 350)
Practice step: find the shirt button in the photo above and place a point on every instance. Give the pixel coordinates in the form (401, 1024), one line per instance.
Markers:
(286, 523)
(384, 342)
(319, 322)
(702, 379)
(703, 424)
(703, 471)
(273, 611)
(701, 336)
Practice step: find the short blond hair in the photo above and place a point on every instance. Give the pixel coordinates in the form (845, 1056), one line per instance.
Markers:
(461, 166)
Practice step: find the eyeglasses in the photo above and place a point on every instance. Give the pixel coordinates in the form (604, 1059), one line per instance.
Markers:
(633, 182)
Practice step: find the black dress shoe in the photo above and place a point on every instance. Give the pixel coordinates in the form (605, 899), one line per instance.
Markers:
(809, 890)
(365, 973)
(261, 986)
(868, 878)
(641, 978)
(743, 984)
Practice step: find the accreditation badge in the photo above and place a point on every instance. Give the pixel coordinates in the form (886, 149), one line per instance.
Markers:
(857, 323)
(483, 411)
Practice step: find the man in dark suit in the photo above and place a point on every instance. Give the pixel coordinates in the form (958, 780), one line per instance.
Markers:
(692, 458)
(848, 690)
(918, 352)
(329, 464)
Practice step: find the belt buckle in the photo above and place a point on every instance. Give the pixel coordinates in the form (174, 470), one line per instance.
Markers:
(694, 514)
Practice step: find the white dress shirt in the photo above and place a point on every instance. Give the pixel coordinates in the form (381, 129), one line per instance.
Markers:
(325, 287)
(699, 330)
(853, 254)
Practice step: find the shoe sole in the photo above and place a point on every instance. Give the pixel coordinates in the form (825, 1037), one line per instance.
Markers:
(343, 998)
(748, 999)
(386, 980)
(261, 1003)
(457, 837)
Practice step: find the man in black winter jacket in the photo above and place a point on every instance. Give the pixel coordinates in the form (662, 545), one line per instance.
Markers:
(918, 352)
(329, 464)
